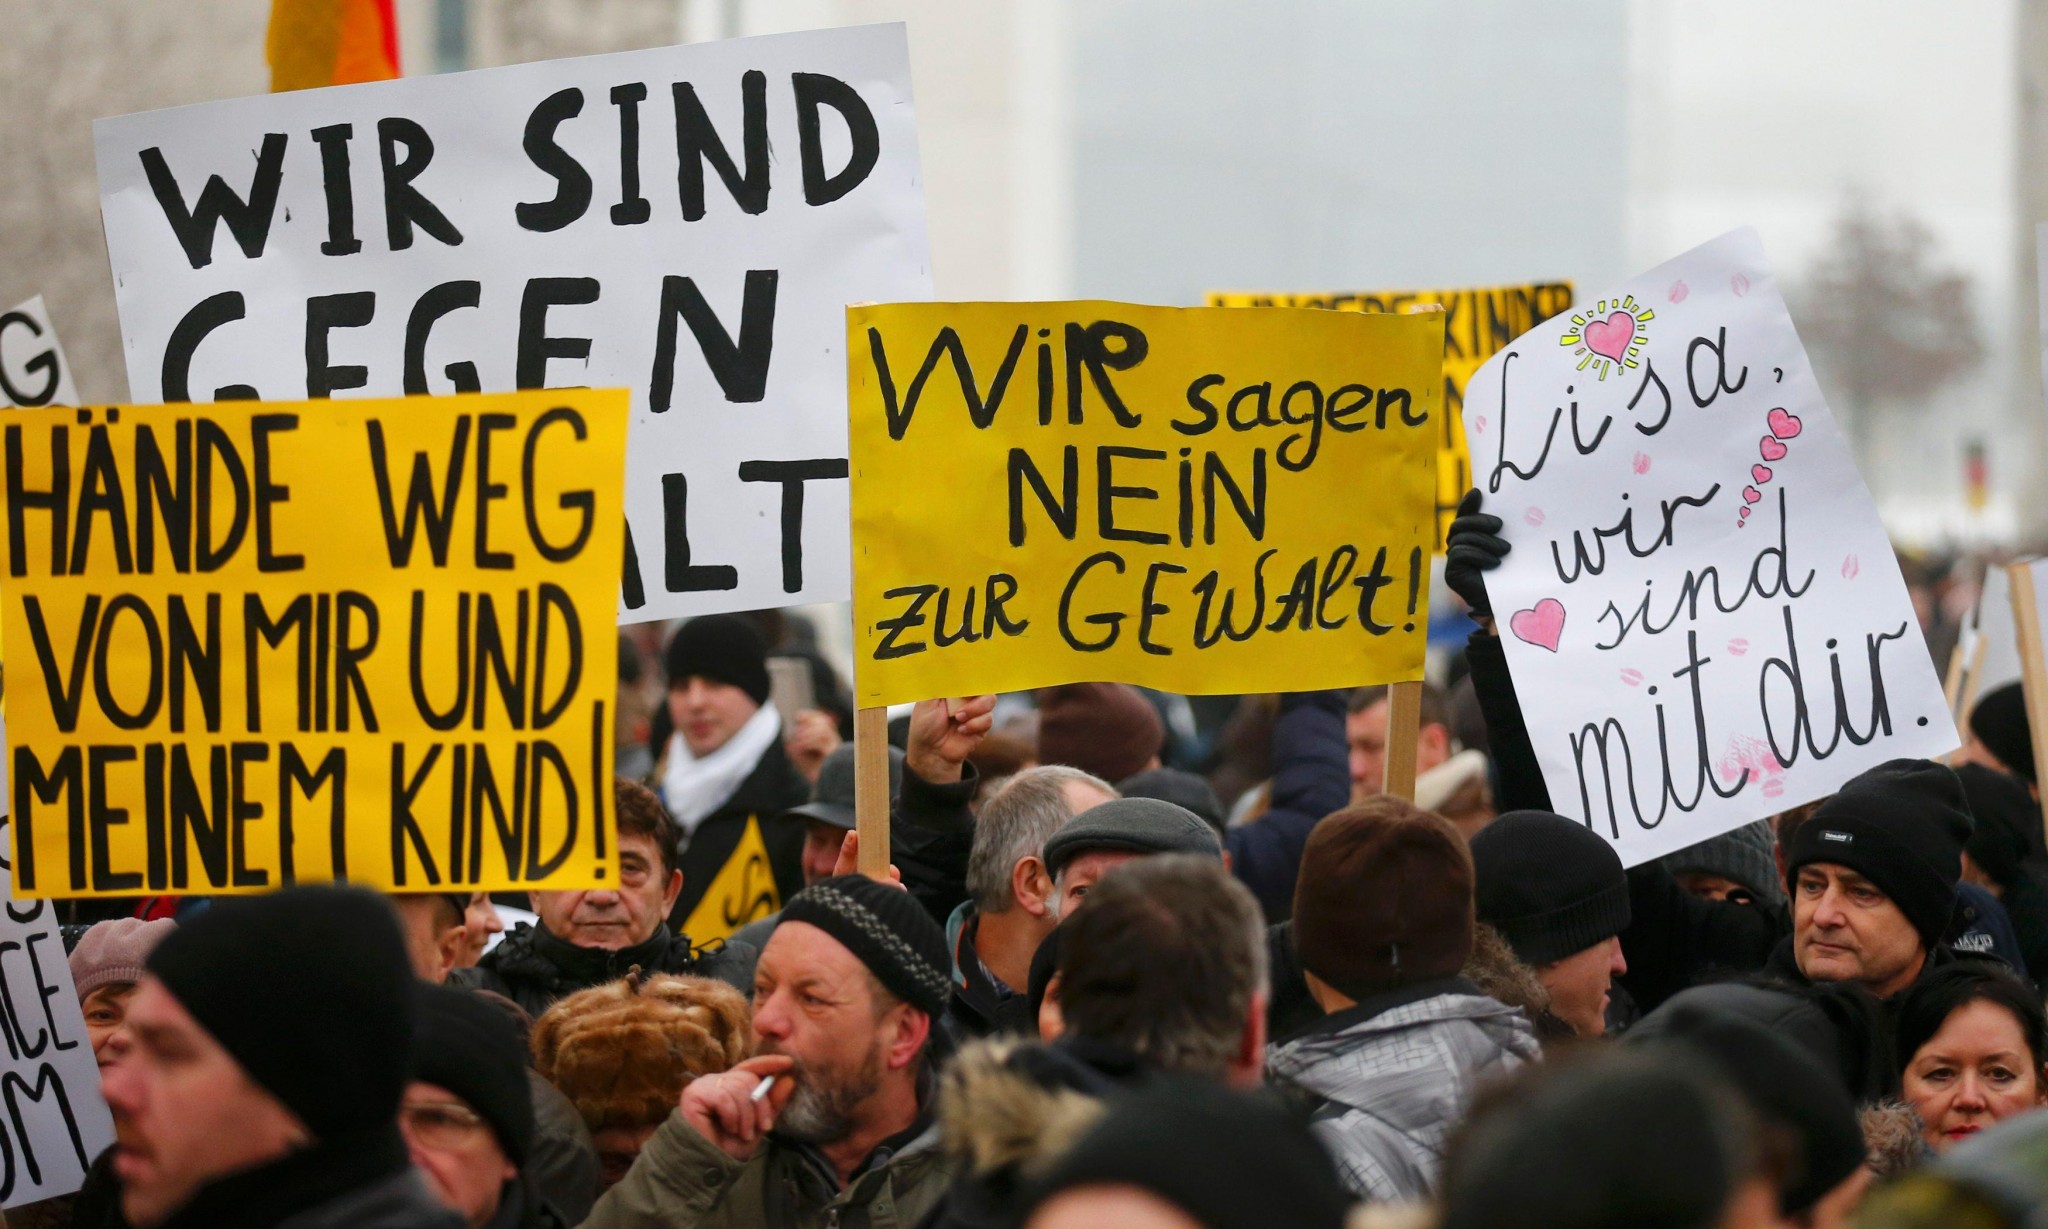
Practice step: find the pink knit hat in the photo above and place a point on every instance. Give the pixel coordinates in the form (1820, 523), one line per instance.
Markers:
(112, 952)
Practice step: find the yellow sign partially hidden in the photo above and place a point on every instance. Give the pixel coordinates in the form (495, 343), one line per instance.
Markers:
(257, 644)
(1193, 499)
(1478, 324)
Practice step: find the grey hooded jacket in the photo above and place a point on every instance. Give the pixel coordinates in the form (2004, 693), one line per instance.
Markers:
(1392, 1075)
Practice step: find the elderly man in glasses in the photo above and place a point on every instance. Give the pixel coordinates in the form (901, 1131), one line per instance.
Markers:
(467, 1116)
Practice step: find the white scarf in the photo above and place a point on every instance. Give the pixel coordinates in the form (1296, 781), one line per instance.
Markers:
(693, 787)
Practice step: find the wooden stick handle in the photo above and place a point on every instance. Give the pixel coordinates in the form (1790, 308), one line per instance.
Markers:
(2026, 612)
(871, 789)
(1404, 724)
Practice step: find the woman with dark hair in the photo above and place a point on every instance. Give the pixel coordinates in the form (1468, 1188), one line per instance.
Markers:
(1970, 1042)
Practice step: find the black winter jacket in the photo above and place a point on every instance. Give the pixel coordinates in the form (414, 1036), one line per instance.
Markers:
(533, 968)
(747, 857)
(361, 1184)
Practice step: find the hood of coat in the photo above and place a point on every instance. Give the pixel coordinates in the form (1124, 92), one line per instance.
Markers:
(1416, 1048)
(1006, 1103)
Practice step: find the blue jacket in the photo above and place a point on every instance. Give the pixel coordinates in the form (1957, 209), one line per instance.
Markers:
(1311, 778)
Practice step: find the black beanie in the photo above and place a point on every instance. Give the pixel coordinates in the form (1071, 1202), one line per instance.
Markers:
(1230, 1160)
(310, 991)
(2007, 828)
(471, 1048)
(1548, 884)
(1782, 1083)
(1902, 825)
(2000, 722)
(887, 930)
(724, 648)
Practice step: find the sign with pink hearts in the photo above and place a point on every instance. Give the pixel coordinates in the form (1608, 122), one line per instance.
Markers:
(1700, 607)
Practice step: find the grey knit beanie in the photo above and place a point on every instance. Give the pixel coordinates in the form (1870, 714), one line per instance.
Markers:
(1746, 855)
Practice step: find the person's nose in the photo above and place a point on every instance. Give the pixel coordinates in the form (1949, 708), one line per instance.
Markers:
(119, 1087)
(1969, 1094)
(771, 1018)
(1827, 913)
(601, 898)
(1617, 963)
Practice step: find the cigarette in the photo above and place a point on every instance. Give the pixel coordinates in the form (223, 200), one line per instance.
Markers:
(760, 1092)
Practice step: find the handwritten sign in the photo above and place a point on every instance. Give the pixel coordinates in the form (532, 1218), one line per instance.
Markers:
(33, 369)
(1197, 499)
(1477, 323)
(55, 1121)
(1701, 610)
(257, 644)
(688, 222)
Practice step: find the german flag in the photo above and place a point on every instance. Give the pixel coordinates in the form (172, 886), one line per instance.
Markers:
(331, 42)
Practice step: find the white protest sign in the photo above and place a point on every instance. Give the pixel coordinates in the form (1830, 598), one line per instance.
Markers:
(688, 222)
(33, 369)
(55, 1121)
(1702, 612)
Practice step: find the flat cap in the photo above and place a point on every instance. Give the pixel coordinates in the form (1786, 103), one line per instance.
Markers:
(1131, 825)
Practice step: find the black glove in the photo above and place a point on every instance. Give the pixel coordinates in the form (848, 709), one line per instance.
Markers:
(1473, 548)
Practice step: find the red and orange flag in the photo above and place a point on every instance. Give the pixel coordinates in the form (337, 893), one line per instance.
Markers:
(331, 42)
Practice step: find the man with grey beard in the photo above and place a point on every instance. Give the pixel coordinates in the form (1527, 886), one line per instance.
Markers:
(831, 1122)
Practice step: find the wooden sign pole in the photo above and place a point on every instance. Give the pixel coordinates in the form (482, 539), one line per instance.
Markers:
(1973, 680)
(2026, 613)
(871, 790)
(1404, 724)
(1952, 683)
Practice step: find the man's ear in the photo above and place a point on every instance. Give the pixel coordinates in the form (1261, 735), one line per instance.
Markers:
(449, 944)
(908, 1035)
(674, 890)
(1434, 740)
(1248, 1068)
(1031, 886)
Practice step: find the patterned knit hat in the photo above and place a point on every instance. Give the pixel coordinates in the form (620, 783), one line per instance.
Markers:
(887, 930)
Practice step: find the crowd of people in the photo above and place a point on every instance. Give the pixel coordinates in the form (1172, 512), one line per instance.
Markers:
(1140, 961)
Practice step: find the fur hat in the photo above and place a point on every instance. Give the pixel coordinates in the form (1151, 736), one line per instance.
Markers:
(1384, 899)
(621, 1052)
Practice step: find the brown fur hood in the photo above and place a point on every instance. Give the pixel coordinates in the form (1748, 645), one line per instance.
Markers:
(1008, 1104)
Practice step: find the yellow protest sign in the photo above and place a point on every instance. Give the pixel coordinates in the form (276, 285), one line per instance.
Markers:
(1478, 324)
(1186, 498)
(257, 643)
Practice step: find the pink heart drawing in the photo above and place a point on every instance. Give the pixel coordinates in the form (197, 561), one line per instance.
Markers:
(1642, 462)
(1632, 677)
(1784, 426)
(1678, 292)
(1610, 338)
(1750, 494)
(1762, 473)
(1542, 625)
(1742, 515)
(1772, 449)
(1850, 567)
(1738, 646)
(1739, 284)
